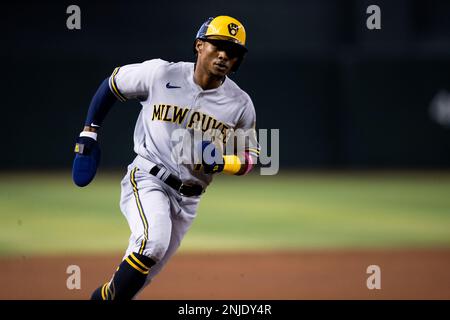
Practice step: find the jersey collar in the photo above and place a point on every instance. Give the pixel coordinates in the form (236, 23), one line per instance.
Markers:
(190, 80)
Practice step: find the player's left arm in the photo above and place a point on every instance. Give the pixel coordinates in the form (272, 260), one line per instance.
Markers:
(246, 147)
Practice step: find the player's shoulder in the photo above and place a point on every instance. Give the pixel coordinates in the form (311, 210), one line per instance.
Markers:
(154, 63)
(243, 102)
(144, 67)
(237, 93)
(164, 66)
(166, 63)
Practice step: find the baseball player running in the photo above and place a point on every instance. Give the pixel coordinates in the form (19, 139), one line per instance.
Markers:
(161, 191)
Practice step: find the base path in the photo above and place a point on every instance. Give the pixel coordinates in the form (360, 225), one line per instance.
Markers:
(412, 274)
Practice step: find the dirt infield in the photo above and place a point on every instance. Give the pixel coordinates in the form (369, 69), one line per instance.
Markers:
(415, 274)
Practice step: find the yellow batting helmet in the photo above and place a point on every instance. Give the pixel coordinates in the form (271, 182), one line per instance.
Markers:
(223, 28)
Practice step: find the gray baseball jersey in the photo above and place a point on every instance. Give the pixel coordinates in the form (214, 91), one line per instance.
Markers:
(172, 100)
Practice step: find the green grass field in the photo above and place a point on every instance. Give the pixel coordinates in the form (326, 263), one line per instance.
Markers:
(47, 214)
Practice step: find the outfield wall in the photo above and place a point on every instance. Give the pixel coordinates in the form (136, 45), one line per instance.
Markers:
(341, 95)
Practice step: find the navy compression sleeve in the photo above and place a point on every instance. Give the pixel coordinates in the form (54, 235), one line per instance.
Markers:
(101, 103)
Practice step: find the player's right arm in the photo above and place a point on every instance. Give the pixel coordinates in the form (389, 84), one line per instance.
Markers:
(128, 82)
(87, 150)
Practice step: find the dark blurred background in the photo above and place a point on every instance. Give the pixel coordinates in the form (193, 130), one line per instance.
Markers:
(342, 96)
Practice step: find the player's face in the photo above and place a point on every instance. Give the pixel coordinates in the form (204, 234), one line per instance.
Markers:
(217, 57)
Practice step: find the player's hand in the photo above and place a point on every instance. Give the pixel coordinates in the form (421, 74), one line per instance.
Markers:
(87, 159)
(208, 158)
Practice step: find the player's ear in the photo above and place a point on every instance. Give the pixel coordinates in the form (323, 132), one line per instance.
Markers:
(198, 46)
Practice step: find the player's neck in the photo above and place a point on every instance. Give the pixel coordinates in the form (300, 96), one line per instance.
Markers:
(207, 81)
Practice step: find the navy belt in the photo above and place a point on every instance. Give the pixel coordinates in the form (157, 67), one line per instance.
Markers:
(175, 183)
